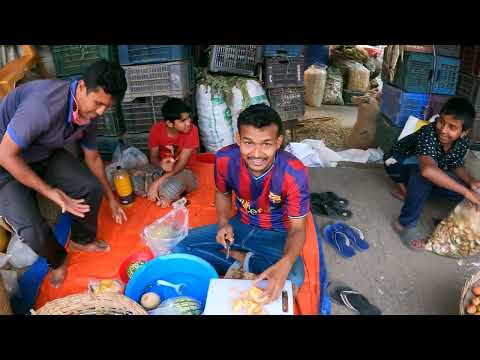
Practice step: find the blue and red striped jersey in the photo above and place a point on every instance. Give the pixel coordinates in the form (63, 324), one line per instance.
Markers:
(267, 201)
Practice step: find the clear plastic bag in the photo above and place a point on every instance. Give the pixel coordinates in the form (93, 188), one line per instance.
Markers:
(315, 78)
(459, 234)
(333, 87)
(10, 281)
(4, 258)
(21, 254)
(358, 78)
(165, 233)
(130, 158)
(182, 305)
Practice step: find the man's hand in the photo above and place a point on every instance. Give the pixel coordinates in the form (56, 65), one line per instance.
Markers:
(225, 232)
(167, 164)
(473, 197)
(118, 214)
(154, 187)
(475, 186)
(276, 275)
(73, 206)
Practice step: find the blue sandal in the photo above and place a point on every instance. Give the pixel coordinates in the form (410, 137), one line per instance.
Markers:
(354, 234)
(338, 240)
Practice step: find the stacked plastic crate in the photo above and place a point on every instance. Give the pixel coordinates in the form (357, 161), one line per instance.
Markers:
(154, 73)
(70, 61)
(283, 78)
(469, 84)
(424, 78)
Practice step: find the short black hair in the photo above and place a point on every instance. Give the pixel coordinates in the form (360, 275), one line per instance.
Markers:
(108, 75)
(460, 108)
(173, 107)
(259, 116)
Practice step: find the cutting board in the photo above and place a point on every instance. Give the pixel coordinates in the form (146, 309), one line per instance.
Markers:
(223, 292)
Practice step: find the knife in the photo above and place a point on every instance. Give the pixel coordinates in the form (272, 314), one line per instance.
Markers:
(284, 301)
(229, 243)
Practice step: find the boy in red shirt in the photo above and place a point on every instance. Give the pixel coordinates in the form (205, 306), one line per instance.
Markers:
(173, 145)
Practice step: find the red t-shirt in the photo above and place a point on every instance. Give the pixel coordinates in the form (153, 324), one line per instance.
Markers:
(172, 147)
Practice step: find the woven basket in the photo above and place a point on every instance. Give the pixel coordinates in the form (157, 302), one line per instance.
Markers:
(89, 304)
(467, 294)
(5, 308)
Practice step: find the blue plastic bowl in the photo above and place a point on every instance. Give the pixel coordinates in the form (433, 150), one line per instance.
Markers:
(190, 270)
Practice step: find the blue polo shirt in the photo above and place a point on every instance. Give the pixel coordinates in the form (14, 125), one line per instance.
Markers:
(38, 117)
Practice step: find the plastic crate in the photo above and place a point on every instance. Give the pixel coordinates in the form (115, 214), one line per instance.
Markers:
(470, 63)
(398, 105)
(140, 114)
(147, 54)
(106, 146)
(173, 79)
(435, 105)
(448, 50)
(446, 77)
(348, 95)
(413, 74)
(284, 71)
(285, 50)
(288, 102)
(73, 59)
(386, 133)
(235, 59)
(110, 124)
(140, 141)
(468, 86)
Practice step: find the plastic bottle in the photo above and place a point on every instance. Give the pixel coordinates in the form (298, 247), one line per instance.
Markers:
(315, 78)
(123, 186)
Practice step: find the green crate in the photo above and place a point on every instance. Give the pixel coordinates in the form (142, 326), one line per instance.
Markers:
(386, 133)
(73, 59)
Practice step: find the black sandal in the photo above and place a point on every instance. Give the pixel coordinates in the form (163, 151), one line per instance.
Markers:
(324, 206)
(344, 295)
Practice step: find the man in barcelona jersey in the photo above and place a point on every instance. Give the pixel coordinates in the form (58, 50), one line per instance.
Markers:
(271, 193)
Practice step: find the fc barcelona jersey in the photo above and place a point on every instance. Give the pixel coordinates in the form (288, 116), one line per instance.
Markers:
(267, 201)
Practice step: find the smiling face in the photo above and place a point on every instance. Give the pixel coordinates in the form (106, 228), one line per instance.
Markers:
(449, 129)
(258, 146)
(90, 104)
(183, 124)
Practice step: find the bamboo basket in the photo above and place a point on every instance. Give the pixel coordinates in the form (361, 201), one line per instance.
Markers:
(467, 294)
(91, 304)
(5, 308)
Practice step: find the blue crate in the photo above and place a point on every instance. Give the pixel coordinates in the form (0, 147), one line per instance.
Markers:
(398, 105)
(446, 77)
(150, 54)
(288, 50)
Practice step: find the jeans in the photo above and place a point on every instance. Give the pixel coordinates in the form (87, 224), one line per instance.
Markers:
(419, 189)
(19, 207)
(266, 248)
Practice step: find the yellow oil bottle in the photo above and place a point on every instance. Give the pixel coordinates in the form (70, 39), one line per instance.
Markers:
(123, 186)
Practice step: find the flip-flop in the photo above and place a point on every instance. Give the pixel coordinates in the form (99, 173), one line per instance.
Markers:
(338, 240)
(323, 206)
(344, 295)
(342, 201)
(410, 238)
(329, 197)
(354, 234)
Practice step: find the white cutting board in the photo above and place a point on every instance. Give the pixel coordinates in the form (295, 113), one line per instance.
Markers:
(223, 292)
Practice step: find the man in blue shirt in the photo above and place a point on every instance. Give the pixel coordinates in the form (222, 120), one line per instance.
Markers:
(37, 120)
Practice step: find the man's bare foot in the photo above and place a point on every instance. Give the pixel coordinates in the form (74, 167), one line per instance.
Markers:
(94, 246)
(400, 192)
(57, 276)
(409, 237)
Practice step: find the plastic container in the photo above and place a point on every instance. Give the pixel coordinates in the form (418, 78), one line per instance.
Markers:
(284, 50)
(140, 114)
(386, 133)
(470, 63)
(144, 255)
(448, 50)
(283, 71)
(235, 59)
(186, 269)
(288, 102)
(314, 79)
(173, 79)
(398, 105)
(414, 74)
(107, 145)
(446, 76)
(110, 124)
(435, 105)
(123, 186)
(140, 141)
(469, 86)
(148, 54)
(73, 59)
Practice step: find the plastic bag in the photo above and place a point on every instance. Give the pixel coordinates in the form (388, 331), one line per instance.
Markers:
(10, 281)
(459, 234)
(364, 130)
(333, 87)
(105, 286)
(4, 258)
(181, 305)
(315, 78)
(143, 177)
(358, 78)
(130, 158)
(165, 233)
(21, 254)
